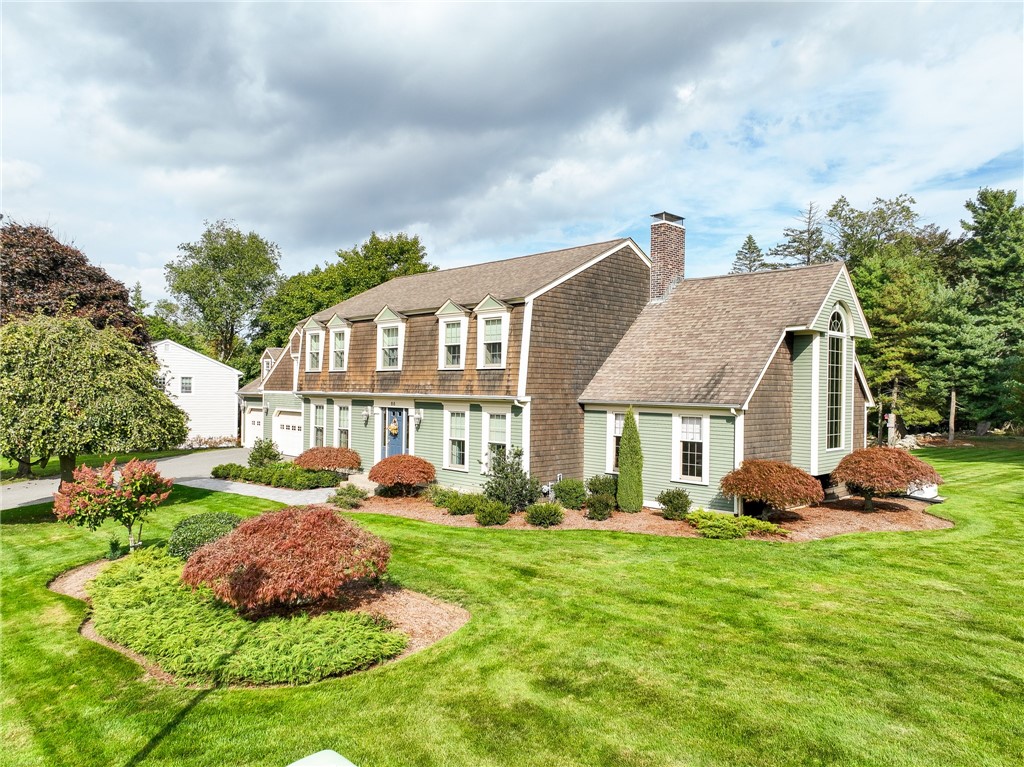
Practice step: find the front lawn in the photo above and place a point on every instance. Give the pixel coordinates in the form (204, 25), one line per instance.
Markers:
(8, 469)
(585, 648)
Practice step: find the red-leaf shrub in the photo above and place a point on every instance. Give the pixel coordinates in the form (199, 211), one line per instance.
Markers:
(777, 484)
(880, 471)
(402, 474)
(329, 458)
(96, 495)
(296, 556)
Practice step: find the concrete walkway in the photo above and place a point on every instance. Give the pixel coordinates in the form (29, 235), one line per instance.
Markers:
(192, 470)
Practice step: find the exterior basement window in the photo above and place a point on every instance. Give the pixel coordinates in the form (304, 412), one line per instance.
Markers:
(834, 392)
(318, 426)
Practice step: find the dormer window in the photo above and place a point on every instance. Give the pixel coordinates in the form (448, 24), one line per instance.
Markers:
(390, 340)
(314, 349)
(452, 327)
(338, 335)
(267, 365)
(453, 344)
(492, 333)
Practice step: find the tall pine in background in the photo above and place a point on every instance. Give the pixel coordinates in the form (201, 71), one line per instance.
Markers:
(631, 466)
(749, 258)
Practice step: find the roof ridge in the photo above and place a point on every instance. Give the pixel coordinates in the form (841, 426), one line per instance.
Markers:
(781, 270)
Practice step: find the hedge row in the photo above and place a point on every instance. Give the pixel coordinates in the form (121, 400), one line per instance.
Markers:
(277, 475)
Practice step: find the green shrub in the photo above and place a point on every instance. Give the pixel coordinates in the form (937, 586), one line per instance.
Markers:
(603, 484)
(490, 513)
(463, 504)
(114, 548)
(544, 514)
(675, 503)
(571, 493)
(711, 524)
(192, 533)
(600, 506)
(139, 602)
(348, 497)
(277, 475)
(630, 493)
(440, 496)
(263, 453)
(509, 483)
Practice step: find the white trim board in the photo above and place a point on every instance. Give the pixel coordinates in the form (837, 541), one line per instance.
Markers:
(195, 353)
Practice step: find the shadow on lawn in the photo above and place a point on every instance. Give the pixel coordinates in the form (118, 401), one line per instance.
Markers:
(36, 514)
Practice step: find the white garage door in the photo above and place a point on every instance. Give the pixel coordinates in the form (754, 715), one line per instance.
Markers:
(288, 431)
(253, 426)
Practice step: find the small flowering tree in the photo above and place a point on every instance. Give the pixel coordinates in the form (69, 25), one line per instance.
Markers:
(96, 495)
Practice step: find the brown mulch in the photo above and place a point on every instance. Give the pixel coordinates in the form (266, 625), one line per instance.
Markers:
(805, 524)
(424, 619)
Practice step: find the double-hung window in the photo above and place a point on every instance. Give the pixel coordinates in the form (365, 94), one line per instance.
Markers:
(339, 341)
(453, 344)
(389, 345)
(318, 425)
(690, 449)
(456, 439)
(492, 329)
(619, 420)
(494, 348)
(314, 342)
(186, 384)
(495, 439)
(267, 365)
(390, 339)
(342, 420)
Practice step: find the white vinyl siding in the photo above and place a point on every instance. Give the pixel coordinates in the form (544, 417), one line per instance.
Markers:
(210, 390)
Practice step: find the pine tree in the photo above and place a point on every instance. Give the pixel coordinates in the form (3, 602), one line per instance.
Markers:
(631, 466)
(804, 245)
(749, 258)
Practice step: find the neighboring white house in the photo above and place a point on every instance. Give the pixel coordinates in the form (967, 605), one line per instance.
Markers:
(201, 386)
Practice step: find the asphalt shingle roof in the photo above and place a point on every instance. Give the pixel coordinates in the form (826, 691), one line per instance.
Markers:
(709, 340)
(513, 278)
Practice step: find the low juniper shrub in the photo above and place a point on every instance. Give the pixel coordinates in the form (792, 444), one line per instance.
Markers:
(600, 506)
(490, 513)
(603, 484)
(711, 524)
(544, 514)
(348, 497)
(570, 493)
(263, 453)
(192, 533)
(675, 503)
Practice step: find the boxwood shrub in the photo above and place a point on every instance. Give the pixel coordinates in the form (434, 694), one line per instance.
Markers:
(277, 475)
(544, 514)
(194, 532)
(490, 513)
(675, 503)
(570, 493)
(348, 496)
(603, 484)
(600, 506)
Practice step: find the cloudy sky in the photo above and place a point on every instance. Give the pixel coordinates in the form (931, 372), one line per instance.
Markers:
(495, 130)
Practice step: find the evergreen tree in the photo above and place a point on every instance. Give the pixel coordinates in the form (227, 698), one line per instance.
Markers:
(804, 245)
(749, 258)
(631, 466)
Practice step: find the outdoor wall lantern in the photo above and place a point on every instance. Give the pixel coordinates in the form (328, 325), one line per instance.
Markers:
(417, 416)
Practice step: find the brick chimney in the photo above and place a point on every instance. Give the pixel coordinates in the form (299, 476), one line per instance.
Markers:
(668, 253)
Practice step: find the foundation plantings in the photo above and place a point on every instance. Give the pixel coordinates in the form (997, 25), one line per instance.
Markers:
(775, 484)
(402, 474)
(340, 459)
(880, 471)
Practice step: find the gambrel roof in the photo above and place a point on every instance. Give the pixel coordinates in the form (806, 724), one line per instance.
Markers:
(708, 342)
(509, 280)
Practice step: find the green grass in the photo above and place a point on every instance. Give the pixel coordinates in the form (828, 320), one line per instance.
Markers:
(585, 648)
(52, 469)
(141, 603)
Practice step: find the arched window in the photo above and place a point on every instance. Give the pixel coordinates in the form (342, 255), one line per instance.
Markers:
(834, 393)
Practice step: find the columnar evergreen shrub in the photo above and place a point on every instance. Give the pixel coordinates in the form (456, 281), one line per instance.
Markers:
(402, 474)
(631, 466)
(490, 513)
(95, 495)
(570, 493)
(348, 496)
(544, 514)
(263, 453)
(675, 503)
(777, 484)
(600, 506)
(880, 471)
(192, 533)
(603, 484)
(509, 483)
(334, 458)
(296, 556)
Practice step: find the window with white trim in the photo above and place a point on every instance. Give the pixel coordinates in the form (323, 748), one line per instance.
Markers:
(342, 422)
(267, 365)
(456, 439)
(318, 425)
(186, 384)
(618, 422)
(314, 343)
(339, 349)
(492, 339)
(453, 343)
(495, 438)
(834, 404)
(690, 448)
(389, 346)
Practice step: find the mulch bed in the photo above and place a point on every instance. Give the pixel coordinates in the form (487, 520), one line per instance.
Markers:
(805, 524)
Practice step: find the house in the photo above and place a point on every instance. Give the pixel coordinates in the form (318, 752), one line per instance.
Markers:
(546, 352)
(201, 386)
(269, 413)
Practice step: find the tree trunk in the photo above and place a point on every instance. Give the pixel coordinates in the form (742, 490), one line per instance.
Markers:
(892, 414)
(67, 467)
(24, 469)
(952, 414)
(869, 504)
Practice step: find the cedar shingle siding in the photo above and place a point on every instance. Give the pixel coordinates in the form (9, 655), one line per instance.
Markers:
(768, 424)
(575, 327)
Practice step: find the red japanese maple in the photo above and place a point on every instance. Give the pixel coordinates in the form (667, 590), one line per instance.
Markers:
(880, 471)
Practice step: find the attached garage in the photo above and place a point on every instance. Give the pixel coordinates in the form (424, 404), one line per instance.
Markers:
(252, 426)
(288, 431)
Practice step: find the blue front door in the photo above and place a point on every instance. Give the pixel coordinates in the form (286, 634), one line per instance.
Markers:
(394, 431)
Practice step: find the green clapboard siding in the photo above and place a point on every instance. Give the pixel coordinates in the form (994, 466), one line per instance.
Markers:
(842, 294)
(361, 432)
(801, 445)
(330, 438)
(595, 442)
(307, 420)
(656, 441)
(277, 401)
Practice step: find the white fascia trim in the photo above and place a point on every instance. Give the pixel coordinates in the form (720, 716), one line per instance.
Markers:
(815, 399)
(196, 354)
(406, 398)
(604, 403)
(737, 459)
(463, 336)
(285, 352)
(869, 400)
(677, 458)
(526, 434)
(524, 348)
(764, 370)
(485, 431)
(843, 273)
(569, 275)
